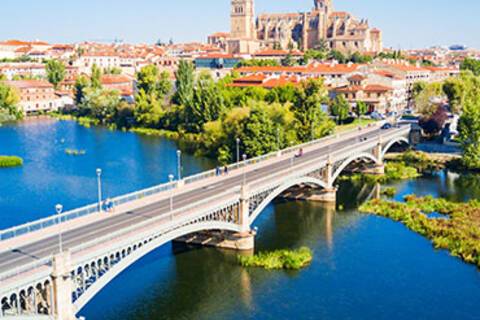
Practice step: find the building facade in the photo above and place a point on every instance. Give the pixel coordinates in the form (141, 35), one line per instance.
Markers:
(322, 26)
(36, 96)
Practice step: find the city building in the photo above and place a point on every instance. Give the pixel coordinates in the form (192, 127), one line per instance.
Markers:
(36, 95)
(103, 60)
(306, 30)
(376, 96)
(22, 69)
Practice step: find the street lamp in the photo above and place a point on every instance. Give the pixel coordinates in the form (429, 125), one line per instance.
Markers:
(59, 209)
(171, 177)
(244, 156)
(278, 138)
(99, 188)
(179, 165)
(238, 150)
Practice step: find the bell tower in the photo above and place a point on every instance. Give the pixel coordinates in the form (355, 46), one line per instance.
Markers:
(325, 6)
(243, 19)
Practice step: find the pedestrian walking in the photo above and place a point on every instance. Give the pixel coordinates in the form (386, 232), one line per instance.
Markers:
(225, 170)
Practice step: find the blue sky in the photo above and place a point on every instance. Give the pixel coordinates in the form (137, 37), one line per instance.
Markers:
(406, 23)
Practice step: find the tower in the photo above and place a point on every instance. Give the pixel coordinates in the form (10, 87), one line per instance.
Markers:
(243, 19)
(325, 6)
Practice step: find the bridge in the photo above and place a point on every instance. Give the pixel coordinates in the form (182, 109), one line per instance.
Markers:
(53, 267)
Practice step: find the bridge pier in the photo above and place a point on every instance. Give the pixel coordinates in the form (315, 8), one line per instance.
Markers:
(62, 287)
(323, 195)
(220, 239)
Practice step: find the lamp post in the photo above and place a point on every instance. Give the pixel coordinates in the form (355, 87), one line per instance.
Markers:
(99, 188)
(238, 150)
(278, 139)
(59, 209)
(179, 165)
(244, 156)
(171, 177)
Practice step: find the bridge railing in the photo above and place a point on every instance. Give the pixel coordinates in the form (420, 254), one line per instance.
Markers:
(114, 235)
(80, 212)
(94, 208)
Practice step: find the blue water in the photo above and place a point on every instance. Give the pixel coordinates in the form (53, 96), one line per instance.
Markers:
(364, 267)
(50, 176)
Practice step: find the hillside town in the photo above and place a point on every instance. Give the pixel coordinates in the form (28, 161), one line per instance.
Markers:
(382, 78)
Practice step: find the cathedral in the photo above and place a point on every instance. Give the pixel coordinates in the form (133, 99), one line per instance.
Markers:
(322, 26)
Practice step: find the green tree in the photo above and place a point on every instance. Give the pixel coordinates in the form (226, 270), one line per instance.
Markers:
(470, 64)
(282, 94)
(288, 61)
(418, 88)
(469, 129)
(164, 84)
(312, 122)
(147, 79)
(184, 83)
(311, 54)
(101, 104)
(337, 55)
(55, 72)
(112, 70)
(9, 100)
(96, 77)
(340, 108)
(259, 134)
(81, 84)
(424, 101)
(361, 108)
(148, 109)
(258, 63)
(207, 103)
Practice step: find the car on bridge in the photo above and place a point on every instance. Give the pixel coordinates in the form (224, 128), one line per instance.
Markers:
(387, 126)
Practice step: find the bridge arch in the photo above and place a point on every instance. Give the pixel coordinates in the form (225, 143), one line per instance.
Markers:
(391, 143)
(142, 250)
(280, 189)
(348, 161)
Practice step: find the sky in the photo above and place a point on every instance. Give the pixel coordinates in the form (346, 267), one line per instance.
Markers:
(405, 23)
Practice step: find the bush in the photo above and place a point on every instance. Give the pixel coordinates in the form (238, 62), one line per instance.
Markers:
(10, 161)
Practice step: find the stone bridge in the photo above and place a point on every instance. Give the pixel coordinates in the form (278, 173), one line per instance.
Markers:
(41, 278)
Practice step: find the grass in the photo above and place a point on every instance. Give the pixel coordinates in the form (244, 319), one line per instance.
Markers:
(74, 152)
(458, 232)
(279, 259)
(353, 125)
(10, 161)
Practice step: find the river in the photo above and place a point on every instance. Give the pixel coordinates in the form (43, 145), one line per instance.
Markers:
(364, 267)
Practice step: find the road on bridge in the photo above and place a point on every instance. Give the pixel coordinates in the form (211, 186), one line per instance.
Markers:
(44, 248)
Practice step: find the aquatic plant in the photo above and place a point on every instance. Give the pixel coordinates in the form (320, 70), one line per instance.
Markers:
(279, 259)
(458, 232)
(10, 161)
(389, 192)
(393, 171)
(74, 152)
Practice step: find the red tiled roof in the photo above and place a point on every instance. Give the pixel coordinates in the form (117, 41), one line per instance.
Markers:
(115, 79)
(26, 84)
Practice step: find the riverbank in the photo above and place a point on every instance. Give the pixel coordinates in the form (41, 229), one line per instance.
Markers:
(10, 161)
(449, 225)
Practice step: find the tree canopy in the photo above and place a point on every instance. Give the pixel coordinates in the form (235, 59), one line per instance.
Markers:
(55, 72)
